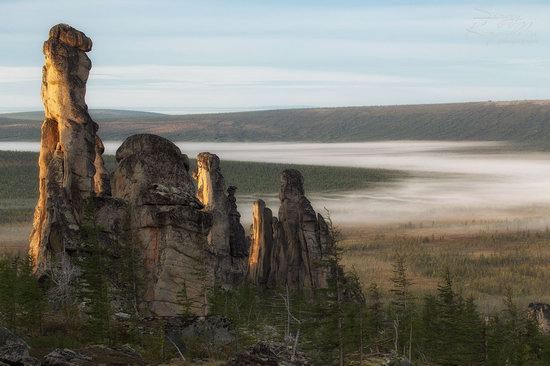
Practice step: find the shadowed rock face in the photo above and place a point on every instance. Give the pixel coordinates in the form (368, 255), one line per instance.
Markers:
(166, 219)
(70, 163)
(288, 250)
(226, 240)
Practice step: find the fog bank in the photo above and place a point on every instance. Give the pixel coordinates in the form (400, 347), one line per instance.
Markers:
(451, 180)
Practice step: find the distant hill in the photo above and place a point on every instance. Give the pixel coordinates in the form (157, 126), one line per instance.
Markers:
(522, 121)
(97, 114)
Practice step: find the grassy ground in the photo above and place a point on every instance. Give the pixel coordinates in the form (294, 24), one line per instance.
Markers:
(486, 264)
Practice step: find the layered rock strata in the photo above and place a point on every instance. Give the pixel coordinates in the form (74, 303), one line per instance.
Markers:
(288, 251)
(226, 241)
(70, 165)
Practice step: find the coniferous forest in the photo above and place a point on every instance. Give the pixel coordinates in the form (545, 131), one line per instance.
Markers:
(341, 324)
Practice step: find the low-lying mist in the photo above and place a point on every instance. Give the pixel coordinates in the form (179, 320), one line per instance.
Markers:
(450, 180)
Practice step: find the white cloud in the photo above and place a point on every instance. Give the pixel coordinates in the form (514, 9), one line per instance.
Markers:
(10, 74)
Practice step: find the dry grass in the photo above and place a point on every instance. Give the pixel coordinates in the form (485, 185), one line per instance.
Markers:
(485, 264)
(14, 237)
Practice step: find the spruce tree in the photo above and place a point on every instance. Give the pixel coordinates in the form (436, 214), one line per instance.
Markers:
(94, 284)
(375, 318)
(401, 307)
(8, 278)
(131, 273)
(30, 299)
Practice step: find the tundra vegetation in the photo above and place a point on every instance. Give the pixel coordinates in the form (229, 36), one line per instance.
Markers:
(341, 324)
(522, 122)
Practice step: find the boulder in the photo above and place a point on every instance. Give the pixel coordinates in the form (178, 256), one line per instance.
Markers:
(167, 221)
(71, 168)
(213, 330)
(226, 241)
(8, 337)
(66, 357)
(17, 354)
(14, 351)
(94, 355)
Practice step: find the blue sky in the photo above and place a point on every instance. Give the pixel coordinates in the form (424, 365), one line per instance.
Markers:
(196, 56)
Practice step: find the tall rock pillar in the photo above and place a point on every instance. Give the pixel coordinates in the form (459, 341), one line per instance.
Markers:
(227, 241)
(288, 251)
(71, 168)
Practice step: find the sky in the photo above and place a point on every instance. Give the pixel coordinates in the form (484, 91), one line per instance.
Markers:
(207, 56)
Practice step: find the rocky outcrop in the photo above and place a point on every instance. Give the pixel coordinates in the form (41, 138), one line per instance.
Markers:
(189, 233)
(70, 163)
(166, 219)
(261, 244)
(269, 354)
(540, 312)
(226, 240)
(66, 357)
(14, 351)
(300, 229)
(94, 355)
(288, 250)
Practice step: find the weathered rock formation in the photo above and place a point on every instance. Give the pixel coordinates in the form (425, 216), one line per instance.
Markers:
(540, 312)
(94, 355)
(288, 250)
(261, 244)
(71, 167)
(166, 219)
(188, 233)
(153, 203)
(226, 241)
(14, 351)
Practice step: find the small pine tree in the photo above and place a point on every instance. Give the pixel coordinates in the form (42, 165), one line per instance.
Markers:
(401, 306)
(95, 289)
(8, 279)
(29, 297)
(375, 318)
(131, 270)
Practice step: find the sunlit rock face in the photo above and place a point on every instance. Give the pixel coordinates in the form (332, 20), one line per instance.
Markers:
(166, 220)
(70, 163)
(226, 241)
(540, 312)
(288, 251)
(261, 244)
